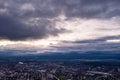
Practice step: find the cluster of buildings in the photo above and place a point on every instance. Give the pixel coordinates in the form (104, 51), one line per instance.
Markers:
(57, 71)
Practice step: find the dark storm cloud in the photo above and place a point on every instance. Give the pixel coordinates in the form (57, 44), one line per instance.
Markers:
(14, 15)
(13, 29)
(93, 8)
(14, 12)
(71, 8)
(86, 8)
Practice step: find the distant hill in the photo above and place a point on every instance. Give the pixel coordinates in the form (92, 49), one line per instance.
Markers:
(66, 56)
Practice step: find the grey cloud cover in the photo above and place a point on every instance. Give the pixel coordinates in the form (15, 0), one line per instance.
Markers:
(14, 12)
(71, 8)
(13, 27)
(101, 39)
(98, 44)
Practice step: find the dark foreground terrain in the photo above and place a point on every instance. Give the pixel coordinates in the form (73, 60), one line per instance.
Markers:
(89, 66)
(81, 69)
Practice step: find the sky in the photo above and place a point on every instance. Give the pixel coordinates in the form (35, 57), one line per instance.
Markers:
(43, 26)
